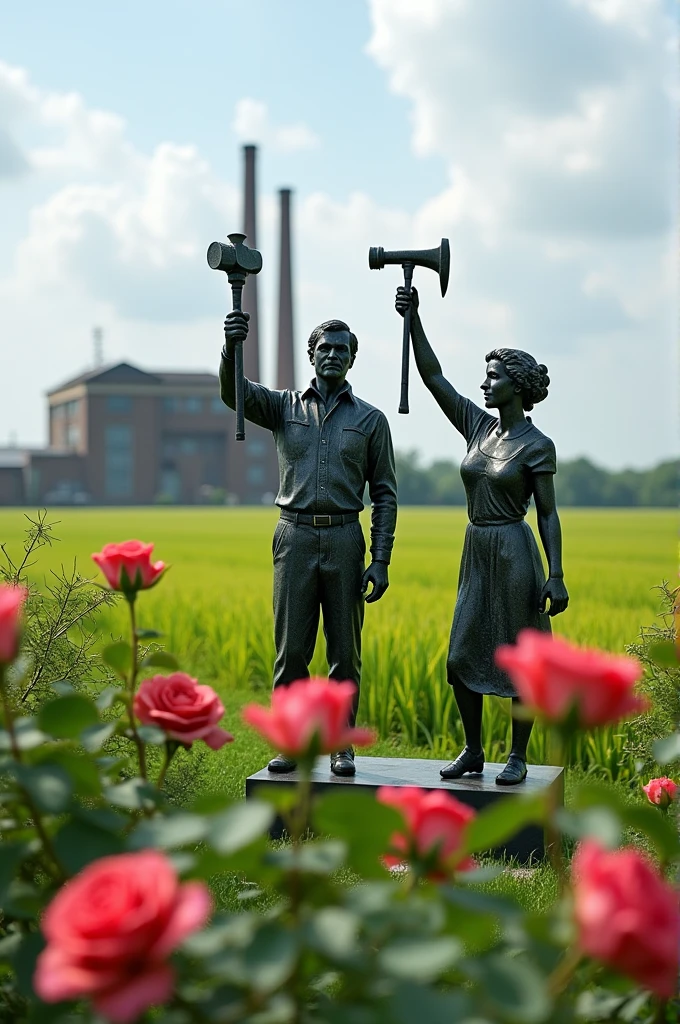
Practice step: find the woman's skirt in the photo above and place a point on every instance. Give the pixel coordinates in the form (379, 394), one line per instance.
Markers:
(499, 588)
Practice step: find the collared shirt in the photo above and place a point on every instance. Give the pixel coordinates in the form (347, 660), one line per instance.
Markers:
(328, 455)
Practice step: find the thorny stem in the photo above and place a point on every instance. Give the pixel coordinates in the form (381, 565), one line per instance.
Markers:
(299, 820)
(660, 1015)
(131, 689)
(553, 835)
(563, 973)
(170, 751)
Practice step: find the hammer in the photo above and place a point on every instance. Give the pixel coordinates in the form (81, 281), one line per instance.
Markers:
(237, 261)
(438, 259)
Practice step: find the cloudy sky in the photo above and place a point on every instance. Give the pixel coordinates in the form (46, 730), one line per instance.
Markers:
(538, 135)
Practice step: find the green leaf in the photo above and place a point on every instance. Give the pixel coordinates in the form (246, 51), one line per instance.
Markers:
(419, 959)
(412, 1002)
(475, 917)
(108, 697)
(160, 659)
(148, 634)
(664, 653)
(657, 827)
(79, 842)
(101, 817)
(505, 818)
(48, 786)
(601, 823)
(95, 736)
(25, 960)
(513, 986)
(80, 769)
(315, 858)
(133, 794)
(27, 734)
(270, 958)
(169, 832)
(118, 656)
(333, 931)
(11, 856)
(667, 749)
(240, 825)
(363, 823)
(66, 717)
(151, 734)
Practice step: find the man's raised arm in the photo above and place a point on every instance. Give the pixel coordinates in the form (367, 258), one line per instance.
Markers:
(261, 406)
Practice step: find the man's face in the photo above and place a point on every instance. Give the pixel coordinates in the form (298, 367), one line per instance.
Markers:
(332, 356)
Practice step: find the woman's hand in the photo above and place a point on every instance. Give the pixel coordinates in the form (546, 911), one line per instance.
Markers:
(555, 592)
(404, 299)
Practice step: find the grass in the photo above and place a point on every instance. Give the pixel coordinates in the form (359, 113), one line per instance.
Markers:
(214, 608)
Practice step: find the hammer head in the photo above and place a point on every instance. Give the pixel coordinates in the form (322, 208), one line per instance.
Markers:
(438, 259)
(235, 256)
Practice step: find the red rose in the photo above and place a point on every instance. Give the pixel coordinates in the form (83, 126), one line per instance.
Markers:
(11, 601)
(110, 931)
(435, 830)
(128, 566)
(554, 679)
(628, 917)
(308, 717)
(661, 791)
(182, 708)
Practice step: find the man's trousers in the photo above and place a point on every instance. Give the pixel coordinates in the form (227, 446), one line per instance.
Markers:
(318, 568)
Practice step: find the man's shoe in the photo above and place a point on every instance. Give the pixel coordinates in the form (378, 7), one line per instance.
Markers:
(282, 764)
(467, 761)
(514, 772)
(342, 762)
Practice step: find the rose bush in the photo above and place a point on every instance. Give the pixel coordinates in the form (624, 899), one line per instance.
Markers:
(434, 837)
(11, 602)
(555, 679)
(307, 718)
(627, 915)
(111, 930)
(661, 792)
(182, 708)
(128, 566)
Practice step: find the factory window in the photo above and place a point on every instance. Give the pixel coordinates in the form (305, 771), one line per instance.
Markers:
(72, 408)
(171, 405)
(118, 403)
(256, 448)
(58, 411)
(118, 461)
(255, 475)
(193, 405)
(217, 406)
(72, 435)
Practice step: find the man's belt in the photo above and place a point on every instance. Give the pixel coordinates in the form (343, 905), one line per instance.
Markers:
(318, 519)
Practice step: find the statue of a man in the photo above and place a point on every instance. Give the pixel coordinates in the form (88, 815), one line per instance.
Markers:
(330, 444)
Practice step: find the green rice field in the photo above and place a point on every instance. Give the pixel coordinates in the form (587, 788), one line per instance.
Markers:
(214, 605)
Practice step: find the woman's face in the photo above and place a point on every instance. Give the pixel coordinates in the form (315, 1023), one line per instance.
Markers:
(498, 388)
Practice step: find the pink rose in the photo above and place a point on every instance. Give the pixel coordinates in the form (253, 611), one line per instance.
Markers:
(555, 679)
(661, 791)
(627, 915)
(435, 830)
(182, 708)
(128, 566)
(11, 601)
(110, 931)
(309, 717)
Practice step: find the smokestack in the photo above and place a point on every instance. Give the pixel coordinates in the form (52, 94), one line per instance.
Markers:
(285, 370)
(98, 348)
(251, 349)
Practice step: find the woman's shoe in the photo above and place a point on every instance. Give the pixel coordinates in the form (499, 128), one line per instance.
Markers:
(514, 772)
(467, 761)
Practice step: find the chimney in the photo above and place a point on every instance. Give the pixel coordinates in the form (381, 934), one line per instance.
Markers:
(251, 348)
(285, 368)
(98, 348)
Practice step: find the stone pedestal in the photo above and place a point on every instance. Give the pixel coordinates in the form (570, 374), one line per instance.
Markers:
(477, 791)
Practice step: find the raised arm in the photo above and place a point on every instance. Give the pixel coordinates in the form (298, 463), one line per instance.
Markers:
(453, 405)
(261, 406)
(550, 532)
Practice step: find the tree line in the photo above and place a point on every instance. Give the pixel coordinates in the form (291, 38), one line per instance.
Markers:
(578, 482)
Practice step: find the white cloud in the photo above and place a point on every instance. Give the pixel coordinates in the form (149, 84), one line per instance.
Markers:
(252, 123)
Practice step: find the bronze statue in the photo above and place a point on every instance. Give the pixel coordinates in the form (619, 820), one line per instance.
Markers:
(330, 444)
(502, 587)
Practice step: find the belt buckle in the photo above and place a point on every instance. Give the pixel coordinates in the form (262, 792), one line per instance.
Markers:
(317, 520)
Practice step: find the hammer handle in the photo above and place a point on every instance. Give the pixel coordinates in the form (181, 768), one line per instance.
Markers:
(403, 401)
(236, 293)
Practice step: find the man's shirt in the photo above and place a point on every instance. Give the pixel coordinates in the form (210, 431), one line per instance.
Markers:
(328, 455)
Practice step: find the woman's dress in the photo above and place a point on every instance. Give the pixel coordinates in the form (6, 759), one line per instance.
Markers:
(501, 575)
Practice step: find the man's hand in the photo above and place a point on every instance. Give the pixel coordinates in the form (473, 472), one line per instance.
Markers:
(377, 575)
(555, 592)
(404, 299)
(235, 329)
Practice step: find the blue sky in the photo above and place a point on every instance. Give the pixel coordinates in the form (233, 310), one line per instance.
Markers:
(538, 137)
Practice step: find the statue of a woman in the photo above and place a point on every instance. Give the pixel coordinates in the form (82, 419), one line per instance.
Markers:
(502, 587)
